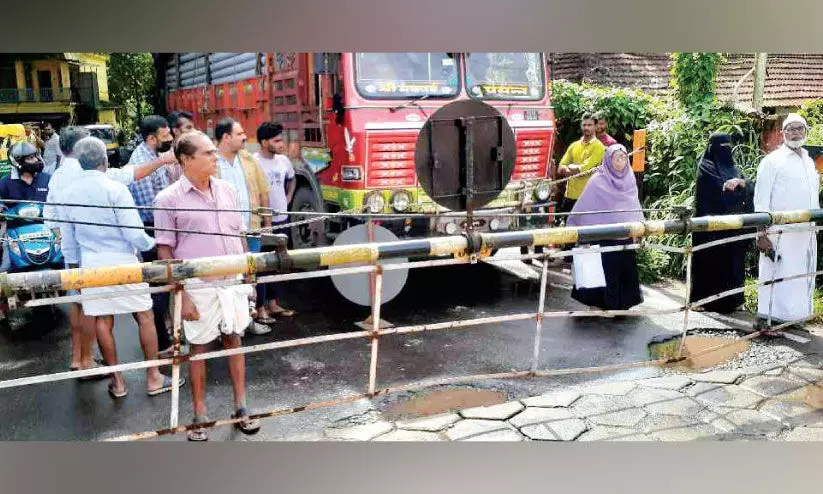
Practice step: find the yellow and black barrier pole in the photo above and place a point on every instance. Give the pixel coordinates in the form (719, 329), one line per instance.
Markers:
(313, 259)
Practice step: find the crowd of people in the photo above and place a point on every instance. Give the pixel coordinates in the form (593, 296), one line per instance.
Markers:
(177, 180)
(786, 180)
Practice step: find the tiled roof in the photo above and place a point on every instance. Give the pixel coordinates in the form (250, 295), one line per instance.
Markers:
(791, 79)
(646, 71)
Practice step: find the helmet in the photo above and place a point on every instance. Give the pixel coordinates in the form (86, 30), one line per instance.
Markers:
(18, 154)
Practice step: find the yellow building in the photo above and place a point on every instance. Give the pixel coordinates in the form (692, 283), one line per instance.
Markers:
(60, 88)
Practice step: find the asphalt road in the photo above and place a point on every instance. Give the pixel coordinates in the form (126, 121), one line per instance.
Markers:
(73, 410)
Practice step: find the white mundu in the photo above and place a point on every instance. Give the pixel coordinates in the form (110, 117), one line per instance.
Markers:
(787, 181)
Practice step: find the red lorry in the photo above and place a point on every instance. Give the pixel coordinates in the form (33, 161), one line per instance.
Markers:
(352, 122)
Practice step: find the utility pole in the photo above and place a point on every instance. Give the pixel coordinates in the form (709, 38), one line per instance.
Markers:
(759, 81)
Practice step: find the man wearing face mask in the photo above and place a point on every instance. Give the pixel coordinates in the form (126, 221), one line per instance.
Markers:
(156, 147)
(29, 184)
(787, 180)
(32, 184)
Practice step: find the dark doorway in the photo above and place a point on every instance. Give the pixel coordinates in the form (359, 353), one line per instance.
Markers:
(44, 80)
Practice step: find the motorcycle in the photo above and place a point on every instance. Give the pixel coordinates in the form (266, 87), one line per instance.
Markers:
(31, 246)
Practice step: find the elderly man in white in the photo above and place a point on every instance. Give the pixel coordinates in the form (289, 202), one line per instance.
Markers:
(787, 180)
(82, 335)
(96, 246)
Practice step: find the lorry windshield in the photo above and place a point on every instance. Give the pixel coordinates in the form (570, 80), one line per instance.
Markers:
(406, 75)
(510, 76)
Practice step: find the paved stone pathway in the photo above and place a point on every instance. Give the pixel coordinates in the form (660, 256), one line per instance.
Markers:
(778, 402)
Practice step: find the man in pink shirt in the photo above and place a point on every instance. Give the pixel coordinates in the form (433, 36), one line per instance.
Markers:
(601, 127)
(209, 312)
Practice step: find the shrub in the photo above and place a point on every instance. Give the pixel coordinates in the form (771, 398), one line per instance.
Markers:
(812, 111)
(625, 110)
(675, 142)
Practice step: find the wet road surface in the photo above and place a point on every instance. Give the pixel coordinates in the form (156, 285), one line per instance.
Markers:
(75, 410)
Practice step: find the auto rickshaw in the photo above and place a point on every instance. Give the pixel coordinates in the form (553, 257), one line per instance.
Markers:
(10, 134)
(108, 135)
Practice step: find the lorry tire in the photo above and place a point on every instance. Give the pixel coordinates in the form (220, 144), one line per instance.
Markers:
(311, 234)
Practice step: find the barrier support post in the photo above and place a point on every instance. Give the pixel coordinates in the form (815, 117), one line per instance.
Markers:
(177, 311)
(538, 335)
(375, 314)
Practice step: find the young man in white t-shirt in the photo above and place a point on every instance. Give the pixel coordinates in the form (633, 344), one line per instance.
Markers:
(279, 172)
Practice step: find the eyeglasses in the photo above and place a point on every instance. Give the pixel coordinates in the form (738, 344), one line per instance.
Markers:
(795, 128)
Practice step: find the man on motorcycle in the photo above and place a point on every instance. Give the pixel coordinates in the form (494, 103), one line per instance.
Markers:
(31, 184)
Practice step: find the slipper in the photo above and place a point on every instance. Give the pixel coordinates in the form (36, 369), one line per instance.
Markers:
(199, 435)
(283, 312)
(97, 377)
(114, 394)
(266, 320)
(166, 386)
(247, 426)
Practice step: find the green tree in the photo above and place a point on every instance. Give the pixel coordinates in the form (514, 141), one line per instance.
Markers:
(131, 82)
(694, 78)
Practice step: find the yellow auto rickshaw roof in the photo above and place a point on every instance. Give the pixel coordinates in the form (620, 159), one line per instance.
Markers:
(12, 130)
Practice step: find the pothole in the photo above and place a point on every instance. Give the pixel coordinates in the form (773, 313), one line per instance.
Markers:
(729, 349)
(442, 401)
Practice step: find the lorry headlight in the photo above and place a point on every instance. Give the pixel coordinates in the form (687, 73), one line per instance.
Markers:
(543, 190)
(374, 202)
(400, 201)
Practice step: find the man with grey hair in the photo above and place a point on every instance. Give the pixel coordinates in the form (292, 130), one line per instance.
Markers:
(69, 171)
(90, 244)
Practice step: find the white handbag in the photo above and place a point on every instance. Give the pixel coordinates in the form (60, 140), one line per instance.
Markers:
(587, 268)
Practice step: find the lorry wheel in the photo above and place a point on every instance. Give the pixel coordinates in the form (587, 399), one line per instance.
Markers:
(309, 234)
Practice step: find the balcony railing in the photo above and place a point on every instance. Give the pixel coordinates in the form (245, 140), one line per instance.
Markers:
(30, 95)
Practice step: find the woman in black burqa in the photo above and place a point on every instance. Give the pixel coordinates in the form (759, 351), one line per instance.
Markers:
(720, 190)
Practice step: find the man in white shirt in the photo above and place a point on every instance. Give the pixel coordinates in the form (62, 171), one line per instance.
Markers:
(95, 247)
(787, 180)
(82, 334)
(51, 149)
(279, 172)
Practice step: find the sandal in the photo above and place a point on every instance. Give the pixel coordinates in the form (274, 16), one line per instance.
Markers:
(116, 394)
(98, 361)
(281, 312)
(96, 377)
(166, 387)
(199, 435)
(265, 319)
(247, 426)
